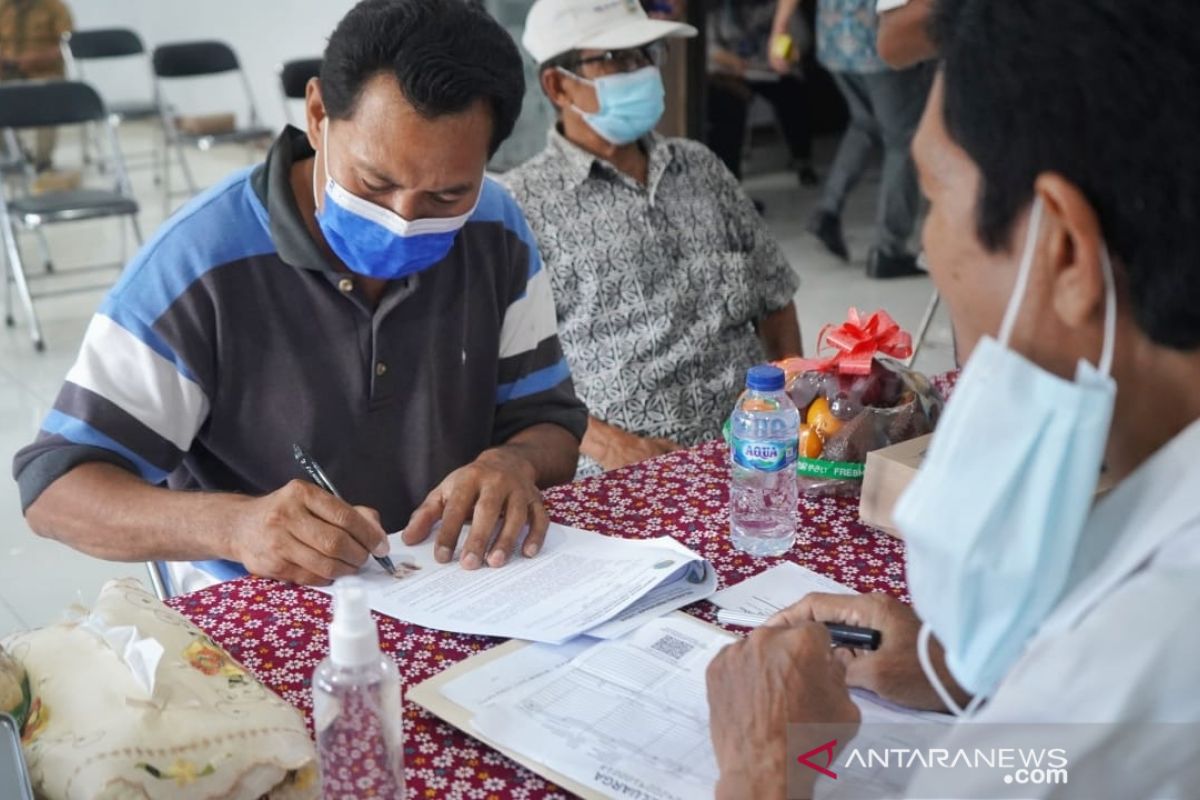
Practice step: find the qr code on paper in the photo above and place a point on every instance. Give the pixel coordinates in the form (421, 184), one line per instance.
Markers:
(673, 647)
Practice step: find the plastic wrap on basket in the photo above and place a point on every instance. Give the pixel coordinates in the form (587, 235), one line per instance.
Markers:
(860, 398)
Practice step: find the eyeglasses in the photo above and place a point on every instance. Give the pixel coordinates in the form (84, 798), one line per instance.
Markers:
(627, 60)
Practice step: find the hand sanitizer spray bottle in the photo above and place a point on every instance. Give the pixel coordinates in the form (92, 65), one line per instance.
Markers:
(357, 708)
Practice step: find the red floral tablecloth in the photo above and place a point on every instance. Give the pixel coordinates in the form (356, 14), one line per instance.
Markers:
(279, 632)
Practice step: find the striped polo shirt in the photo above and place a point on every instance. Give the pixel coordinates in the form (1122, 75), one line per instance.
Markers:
(230, 336)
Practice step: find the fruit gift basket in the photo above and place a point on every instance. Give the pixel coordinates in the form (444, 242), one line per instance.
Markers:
(860, 398)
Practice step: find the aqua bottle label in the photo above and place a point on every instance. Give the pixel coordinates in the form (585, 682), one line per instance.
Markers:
(765, 456)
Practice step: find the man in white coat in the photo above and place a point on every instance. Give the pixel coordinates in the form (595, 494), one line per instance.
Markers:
(1058, 156)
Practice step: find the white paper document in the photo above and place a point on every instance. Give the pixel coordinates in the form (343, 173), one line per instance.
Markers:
(579, 583)
(775, 589)
(884, 726)
(697, 583)
(628, 718)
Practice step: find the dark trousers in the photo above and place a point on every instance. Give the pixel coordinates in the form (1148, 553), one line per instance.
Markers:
(729, 104)
(885, 108)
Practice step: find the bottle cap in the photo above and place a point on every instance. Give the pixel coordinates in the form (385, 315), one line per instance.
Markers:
(353, 637)
(765, 378)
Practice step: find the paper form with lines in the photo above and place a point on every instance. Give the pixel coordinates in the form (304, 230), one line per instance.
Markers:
(628, 717)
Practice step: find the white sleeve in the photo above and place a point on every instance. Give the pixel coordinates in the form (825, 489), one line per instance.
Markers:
(889, 5)
(1117, 692)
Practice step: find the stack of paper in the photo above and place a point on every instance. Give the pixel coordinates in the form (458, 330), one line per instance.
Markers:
(776, 589)
(621, 711)
(580, 583)
(625, 718)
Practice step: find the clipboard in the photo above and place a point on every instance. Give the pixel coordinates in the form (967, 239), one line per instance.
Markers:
(428, 695)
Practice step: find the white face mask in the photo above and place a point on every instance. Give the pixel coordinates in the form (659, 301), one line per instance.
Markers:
(631, 104)
(993, 519)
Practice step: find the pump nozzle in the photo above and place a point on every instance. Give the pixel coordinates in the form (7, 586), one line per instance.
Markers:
(353, 637)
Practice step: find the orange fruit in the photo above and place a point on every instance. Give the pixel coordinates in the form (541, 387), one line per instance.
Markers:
(811, 443)
(821, 417)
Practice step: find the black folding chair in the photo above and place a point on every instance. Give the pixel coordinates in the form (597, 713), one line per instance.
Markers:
(106, 44)
(293, 82)
(43, 104)
(189, 60)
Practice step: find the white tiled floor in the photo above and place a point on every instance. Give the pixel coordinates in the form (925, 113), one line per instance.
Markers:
(39, 578)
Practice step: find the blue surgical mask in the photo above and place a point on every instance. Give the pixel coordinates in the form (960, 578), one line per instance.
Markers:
(376, 242)
(994, 517)
(631, 104)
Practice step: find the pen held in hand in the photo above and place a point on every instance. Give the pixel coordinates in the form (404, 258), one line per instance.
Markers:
(842, 635)
(318, 477)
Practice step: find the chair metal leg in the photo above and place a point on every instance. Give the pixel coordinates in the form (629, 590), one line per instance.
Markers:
(44, 247)
(137, 230)
(9, 320)
(156, 580)
(18, 274)
(930, 309)
(166, 179)
(159, 159)
(187, 170)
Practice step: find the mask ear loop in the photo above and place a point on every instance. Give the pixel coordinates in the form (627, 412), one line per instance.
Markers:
(1110, 313)
(324, 160)
(586, 82)
(1022, 284)
(936, 682)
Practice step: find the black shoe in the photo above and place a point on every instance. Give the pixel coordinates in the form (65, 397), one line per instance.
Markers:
(808, 175)
(828, 229)
(882, 266)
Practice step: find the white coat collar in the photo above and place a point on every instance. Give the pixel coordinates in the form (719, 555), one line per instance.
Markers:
(1143, 513)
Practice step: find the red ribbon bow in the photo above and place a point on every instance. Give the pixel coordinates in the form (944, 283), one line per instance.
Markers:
(856, 342)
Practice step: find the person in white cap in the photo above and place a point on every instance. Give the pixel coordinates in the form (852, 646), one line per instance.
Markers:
(667, 284)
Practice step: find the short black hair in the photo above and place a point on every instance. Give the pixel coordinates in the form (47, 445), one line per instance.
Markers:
(1107, 94)
(445, 54)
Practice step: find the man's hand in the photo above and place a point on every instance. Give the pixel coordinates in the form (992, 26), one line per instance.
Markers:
(776, 676)
(631, 449)
(893, 671)
(498, 487)
(613, 447)
(303, 534)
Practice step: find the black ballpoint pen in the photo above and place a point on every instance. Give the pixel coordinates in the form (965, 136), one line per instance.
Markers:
(841, 635)
(318, 476)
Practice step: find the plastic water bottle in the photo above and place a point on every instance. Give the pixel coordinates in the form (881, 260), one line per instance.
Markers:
(357, 708)
(764, 444)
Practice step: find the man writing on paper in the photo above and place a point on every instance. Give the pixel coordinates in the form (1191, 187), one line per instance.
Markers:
(1063, 235)
(668, 284)
(367, 293)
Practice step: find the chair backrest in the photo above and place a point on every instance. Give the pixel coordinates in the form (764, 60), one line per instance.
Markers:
(193, 59)
(104, 43)
(40, 104)
(294, 76)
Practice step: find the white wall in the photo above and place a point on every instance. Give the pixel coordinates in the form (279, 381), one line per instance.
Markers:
(264, 33)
